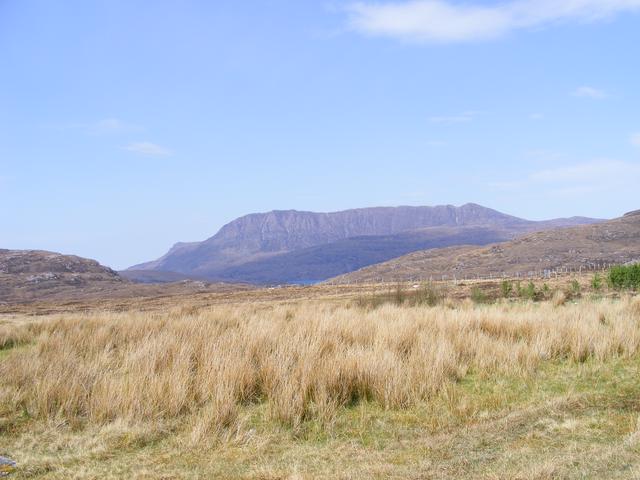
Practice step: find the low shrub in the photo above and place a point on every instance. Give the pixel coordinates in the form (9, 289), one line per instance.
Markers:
(575, 288)
(529, 291)
(596, 283)
(426, 294)
(519, 289)
(478, 296)
(506, 288)
(624, 277)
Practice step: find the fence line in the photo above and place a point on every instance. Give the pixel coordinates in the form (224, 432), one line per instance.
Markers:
(543, 274)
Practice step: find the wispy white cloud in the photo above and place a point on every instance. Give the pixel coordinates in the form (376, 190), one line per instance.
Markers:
(576, 190)
(577, 179)
(635, 139)
(545, 156)
(112, 125)
(596, 171)
(536, 116)
(148, 149)
(441, 21)
(105, 126)
(506, 185)
(463, 117)
(589, 92)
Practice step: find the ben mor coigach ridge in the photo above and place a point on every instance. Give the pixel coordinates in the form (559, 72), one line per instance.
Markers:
(297, 247)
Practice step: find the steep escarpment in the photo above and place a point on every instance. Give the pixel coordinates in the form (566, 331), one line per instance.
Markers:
(284, 246)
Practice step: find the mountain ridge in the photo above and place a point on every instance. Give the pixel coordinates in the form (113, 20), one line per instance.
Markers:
(270, 239)
(615, 241)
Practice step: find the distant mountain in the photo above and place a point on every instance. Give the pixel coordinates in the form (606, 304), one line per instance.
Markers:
(612, 242)
(292, 246)
(325, 261)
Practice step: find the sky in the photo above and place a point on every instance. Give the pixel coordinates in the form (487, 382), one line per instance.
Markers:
(129, 125)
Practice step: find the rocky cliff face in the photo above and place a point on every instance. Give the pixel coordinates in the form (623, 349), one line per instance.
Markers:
(261, 236)
(291, 230)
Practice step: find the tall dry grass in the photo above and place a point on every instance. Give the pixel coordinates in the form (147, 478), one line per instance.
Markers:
(15, 332)
(303, 361)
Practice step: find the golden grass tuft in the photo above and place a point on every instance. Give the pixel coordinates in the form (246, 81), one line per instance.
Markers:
(304, 362)
(559, 298)
(13, 334)
(634, 305)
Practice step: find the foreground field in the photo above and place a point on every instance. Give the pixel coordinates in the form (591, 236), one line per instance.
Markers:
(325, 389)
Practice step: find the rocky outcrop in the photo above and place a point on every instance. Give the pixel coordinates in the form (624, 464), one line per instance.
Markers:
(31, 274)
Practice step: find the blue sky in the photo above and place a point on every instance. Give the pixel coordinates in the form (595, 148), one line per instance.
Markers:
(126, 126)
